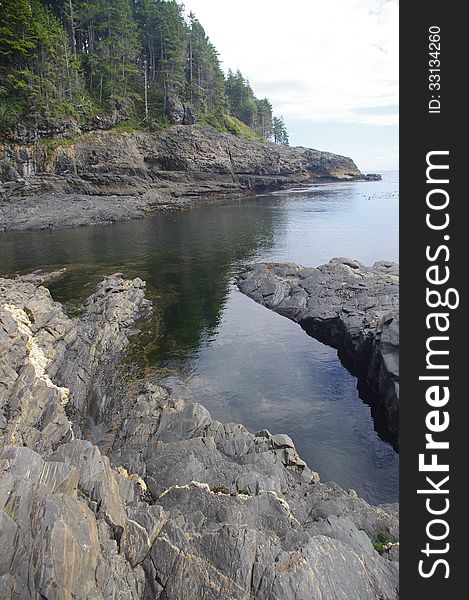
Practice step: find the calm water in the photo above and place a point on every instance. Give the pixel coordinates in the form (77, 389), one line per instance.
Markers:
(211, 343)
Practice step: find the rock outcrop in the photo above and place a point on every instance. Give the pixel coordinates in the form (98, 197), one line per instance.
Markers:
(178, 112)
(106, 176)
(49, 361)
(346, 305)
(181, 506)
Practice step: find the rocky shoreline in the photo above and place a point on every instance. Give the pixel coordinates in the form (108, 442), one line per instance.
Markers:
(346, 305)
(105, 176)
(163, 502)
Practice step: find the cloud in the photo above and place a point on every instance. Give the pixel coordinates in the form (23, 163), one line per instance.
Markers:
(334, 61)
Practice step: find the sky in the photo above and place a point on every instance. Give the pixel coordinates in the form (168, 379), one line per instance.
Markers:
(329, 67)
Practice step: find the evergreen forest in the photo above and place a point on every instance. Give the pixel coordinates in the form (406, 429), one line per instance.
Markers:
(123, 62)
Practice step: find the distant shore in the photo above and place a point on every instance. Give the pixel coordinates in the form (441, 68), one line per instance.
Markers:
(105, 177)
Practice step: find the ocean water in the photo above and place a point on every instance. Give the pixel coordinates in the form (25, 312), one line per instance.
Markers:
(210, 343)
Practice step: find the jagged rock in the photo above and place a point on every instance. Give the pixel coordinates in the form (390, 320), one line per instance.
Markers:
(107, 176)
(347, 305)
(64, 128)
(179, 113)
(97, 481)
(175, 110)
(49, 361)
(33, 330)
(59, 539)
(189, 116)
(183, 506)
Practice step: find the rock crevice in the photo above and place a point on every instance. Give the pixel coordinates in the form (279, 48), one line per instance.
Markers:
(175, 504)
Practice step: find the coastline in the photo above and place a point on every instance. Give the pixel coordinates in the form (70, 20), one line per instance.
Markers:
(174, 485)
(106, 177)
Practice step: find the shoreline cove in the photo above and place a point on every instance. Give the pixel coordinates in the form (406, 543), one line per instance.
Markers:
(279, 377)
(172, 483)
(107, 176)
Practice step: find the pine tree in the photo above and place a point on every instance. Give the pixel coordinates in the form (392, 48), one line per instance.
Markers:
(118, 59)
(107, 44)
(242, 100)
(163, 40)
(263, 125)
(39, 76)
(206, 82)
(280, 133)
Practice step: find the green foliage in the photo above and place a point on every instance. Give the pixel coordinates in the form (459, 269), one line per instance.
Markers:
(128, 126)
(17, 28)
(51, 145)
(119, 60)
(240, 129)
(40, 77)
(264, 121)
(205, 80)
(228, 124)
(381, 541)
(163, 39)
(243, 103)
(107, 47)
(11, 111)
(279, 131)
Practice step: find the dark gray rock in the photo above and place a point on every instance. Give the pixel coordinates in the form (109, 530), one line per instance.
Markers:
(189, 116)
(179, 113)
(175, 110)
(346, 305)
(59, 539)
(108, 176)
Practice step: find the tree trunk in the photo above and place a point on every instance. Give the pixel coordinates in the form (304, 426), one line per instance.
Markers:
(146, 90)
(190, 66)
(72, 28)
(68, 72)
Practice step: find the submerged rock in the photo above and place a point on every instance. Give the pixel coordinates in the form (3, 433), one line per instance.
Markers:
(346, 305)
(182, 506)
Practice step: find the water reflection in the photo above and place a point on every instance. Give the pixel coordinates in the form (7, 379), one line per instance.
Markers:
(242, 361)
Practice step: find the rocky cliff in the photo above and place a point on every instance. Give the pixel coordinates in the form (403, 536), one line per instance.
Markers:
(106, 176)
(347, 305)
(152, 498)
